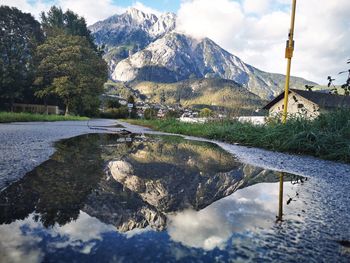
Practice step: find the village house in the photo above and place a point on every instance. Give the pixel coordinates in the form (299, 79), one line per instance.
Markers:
(308, 104)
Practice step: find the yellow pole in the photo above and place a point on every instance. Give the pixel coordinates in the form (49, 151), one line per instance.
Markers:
(289, 55)
(280, 197)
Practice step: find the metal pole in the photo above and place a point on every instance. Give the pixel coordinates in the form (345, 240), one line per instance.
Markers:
(280, 197)
(289, 55)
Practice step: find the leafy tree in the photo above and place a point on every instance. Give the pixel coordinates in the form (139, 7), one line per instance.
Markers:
(162, 97)
(20, 34)
(150, 114)
(131, 100)
(70, 70)
(55, 22)
(113, 104)
(206, 113)
(172, 114)
(115, 113)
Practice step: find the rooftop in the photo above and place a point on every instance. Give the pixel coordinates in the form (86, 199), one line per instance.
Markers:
(324, 100)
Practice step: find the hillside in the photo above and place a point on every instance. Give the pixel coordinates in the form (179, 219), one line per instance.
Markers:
(143, 47)
(212, 93)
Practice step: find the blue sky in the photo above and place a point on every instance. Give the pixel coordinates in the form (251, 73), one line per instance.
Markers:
(253, 30)
(161, 5)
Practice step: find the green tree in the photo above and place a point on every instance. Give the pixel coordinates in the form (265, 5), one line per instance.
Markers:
(206, 113)
(55, 22)
(112, 104)
(162, 97)
(150, 114)
(131, 100)
(70, 70)
(172, 114)
(20, 34)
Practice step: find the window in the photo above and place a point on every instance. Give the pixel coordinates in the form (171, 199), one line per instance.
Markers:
(300, 105)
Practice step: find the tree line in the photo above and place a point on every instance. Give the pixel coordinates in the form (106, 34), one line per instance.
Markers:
(54, 61)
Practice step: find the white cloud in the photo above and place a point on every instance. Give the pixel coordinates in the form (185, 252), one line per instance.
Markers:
(256, 31)
(81, 235)
(218, 20)
(92, 10)
(16, 246)
(256, 7)
(146, 9)
(35, 8)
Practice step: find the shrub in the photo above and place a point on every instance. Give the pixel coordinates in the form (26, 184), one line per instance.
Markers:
(150, 114)
(119, 113)
(172, 114)
(206, 113)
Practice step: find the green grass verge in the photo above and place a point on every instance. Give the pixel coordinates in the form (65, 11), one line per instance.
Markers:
(327, 137)
(24, 117)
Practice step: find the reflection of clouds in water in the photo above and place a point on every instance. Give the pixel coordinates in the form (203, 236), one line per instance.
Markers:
(82, 233)
(15, 246)
(204, 229)
(21, 239)
(137, 231)
(246, 210)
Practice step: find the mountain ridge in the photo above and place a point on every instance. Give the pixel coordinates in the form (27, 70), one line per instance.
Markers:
(146, 47)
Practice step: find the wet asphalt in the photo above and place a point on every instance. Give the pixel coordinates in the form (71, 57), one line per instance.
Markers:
(23, 146)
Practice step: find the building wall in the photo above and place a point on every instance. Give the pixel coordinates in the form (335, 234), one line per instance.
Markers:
(297, 106)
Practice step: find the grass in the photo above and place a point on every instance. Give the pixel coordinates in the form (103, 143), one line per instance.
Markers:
(327, 137)
(25, 117)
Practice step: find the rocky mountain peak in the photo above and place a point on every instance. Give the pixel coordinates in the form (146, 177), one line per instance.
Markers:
(140, 17)
(147, 47)
(132, 28)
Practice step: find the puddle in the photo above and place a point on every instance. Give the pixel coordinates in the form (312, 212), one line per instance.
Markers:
(106, 198)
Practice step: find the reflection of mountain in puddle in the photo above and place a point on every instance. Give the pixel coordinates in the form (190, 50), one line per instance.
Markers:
(167, 177)
(136, 184)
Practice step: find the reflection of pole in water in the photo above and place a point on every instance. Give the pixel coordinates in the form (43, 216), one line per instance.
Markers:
(280, 197)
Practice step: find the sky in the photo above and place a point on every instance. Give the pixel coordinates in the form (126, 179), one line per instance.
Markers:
(254, 30)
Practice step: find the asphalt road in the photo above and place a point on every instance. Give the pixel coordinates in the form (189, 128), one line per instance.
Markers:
(24, 146)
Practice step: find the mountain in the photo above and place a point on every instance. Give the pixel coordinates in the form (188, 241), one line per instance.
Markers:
(134, 26)
(130, 32)
(144, 47)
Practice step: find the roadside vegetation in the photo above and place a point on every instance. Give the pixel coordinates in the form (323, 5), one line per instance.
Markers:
(24, 117)
(51, 62)
(327, 137)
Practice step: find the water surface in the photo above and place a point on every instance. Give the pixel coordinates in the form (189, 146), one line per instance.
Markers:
(111, 198)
